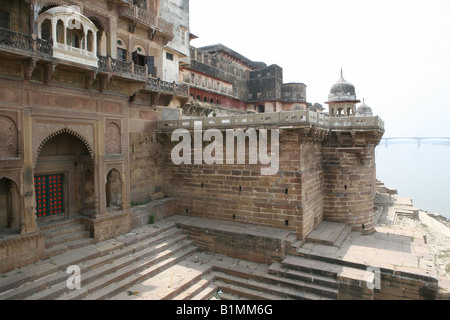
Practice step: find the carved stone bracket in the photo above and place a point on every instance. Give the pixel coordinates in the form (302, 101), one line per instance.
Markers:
(132, 26)
(29, 66)
(90, 78)
(134, 88)
(49, 69)
(104, 79)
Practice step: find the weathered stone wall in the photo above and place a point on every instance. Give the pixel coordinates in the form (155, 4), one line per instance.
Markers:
(291, 199)
(159, 209)
(349, 182)
(397, 285)
(145, 153)
(21, 251)
(109, 226)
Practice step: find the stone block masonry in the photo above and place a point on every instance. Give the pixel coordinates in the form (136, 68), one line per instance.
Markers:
(291, 199)
(326, 172)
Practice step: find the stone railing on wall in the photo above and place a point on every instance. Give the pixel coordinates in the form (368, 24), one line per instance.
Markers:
(284, 118)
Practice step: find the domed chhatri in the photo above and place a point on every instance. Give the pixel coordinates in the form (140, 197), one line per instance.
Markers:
(342, 90)
(364, 110)
(342, 98)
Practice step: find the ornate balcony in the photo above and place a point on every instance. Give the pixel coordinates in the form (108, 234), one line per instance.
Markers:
(147, 19)
(18, 43)
(74, 36)
(122, 69)
(157, 85)
(132, 71)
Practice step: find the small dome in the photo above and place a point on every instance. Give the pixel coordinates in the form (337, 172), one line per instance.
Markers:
(364, 110)
(343, 87)
(342, 91)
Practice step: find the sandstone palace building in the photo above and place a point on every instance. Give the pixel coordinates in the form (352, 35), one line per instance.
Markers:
(90, 93)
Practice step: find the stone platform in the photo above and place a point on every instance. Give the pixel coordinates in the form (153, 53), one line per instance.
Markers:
(184, 257)
(401, 254)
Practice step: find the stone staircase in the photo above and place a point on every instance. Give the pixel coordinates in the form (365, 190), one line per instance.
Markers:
(158, 262)
(328, 278)
(107, 268)
(64, 235)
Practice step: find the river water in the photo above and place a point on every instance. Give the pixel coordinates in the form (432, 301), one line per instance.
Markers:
(421, 173)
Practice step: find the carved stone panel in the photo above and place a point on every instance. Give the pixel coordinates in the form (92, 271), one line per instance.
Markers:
(8, 138)
(113, 138)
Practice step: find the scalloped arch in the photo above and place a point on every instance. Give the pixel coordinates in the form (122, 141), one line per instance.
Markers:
(71, 132)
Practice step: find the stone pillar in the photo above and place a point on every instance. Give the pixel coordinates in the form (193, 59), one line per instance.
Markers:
(29, 204)
(54, 34)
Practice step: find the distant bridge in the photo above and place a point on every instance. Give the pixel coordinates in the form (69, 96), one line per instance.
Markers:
(418, 139)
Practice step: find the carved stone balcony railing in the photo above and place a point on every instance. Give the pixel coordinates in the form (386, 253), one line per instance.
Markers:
(285, 119)
(122, 68)
(19, 42)
(139, 73)
(158, 85)
(147, 19)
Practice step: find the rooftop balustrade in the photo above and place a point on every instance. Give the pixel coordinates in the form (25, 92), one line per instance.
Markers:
(284, 119)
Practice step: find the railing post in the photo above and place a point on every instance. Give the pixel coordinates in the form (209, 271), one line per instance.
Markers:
(34, 43)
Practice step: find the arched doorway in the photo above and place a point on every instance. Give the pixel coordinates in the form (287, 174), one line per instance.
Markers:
(63, 177)
(9, 205)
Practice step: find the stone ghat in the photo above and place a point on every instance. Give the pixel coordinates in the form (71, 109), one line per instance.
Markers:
(284, 118)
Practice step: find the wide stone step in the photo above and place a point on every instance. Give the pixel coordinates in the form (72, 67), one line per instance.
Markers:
(329, 233)
(170, 282)
(18, 279)
(57, 223)
(269, 277)
(207, 293)
(58, 232)
(280, 291)
(227, 296)
(97, 273)
(64, 247)
(136, 276)
(311, 266)
(244, 292)
(196, 289)
(66, 238)
(341, 273)
(45, 274)
(277, 269)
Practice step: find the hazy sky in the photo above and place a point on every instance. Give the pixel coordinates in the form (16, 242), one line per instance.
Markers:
(396, 53)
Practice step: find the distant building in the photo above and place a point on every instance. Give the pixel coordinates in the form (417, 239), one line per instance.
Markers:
(222, 80)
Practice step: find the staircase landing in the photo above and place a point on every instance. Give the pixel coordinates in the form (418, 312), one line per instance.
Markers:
(329, 233)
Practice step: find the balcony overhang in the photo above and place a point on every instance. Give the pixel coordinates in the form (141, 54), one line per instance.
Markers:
(147, 20)
(74, 36)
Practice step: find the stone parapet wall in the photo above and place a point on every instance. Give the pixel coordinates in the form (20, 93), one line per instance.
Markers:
(20, 250)
(235, 239)
(290, 199)
(159, 209)
(397, 285)
(109, 225)
(294, 118)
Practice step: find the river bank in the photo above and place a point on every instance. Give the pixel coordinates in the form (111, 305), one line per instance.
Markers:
(390, 209)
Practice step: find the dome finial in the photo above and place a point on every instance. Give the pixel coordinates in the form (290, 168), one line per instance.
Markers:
(342, 74)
